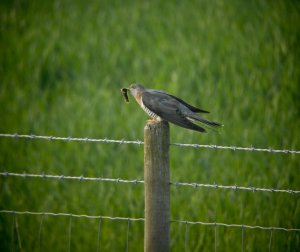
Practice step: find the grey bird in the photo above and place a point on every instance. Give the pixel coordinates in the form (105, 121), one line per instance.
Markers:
(160, 105)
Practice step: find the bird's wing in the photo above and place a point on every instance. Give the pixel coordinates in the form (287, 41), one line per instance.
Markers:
(167, 108)
(192, 108)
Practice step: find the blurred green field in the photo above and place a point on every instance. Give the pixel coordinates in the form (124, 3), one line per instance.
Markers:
(62, 64)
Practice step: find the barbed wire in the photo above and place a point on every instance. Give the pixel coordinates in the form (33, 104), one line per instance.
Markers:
(138, 181)
(139, 142)
(78, 139)
(142, 219)
(237, 148)
(235, 187)
(61, 177)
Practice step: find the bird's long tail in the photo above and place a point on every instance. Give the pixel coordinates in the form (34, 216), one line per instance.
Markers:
(195, 117)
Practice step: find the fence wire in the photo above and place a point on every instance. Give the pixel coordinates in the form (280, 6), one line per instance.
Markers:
(71, 215)
(218, 224)
(69, 139)
(139, 142)
(138, 181)
(235, 187)
(62, 177)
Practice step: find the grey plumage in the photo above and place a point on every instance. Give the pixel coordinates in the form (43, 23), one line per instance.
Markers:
(162, 106)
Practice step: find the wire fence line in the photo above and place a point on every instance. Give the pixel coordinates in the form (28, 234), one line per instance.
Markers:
(235, 187)
(139, 142)
(138, 181)
(62, 177)
(217, 224)
(77, 139)
(71, 215)
(237, 148)
(214, 225)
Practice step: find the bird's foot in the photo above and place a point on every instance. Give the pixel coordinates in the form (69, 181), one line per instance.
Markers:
(152, 121)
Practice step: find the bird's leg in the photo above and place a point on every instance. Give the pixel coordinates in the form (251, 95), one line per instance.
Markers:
(153, 121)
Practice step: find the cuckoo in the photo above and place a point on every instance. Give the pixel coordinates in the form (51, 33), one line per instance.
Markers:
(160, 105)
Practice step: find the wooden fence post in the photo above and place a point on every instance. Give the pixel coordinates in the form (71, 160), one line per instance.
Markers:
(157, 188)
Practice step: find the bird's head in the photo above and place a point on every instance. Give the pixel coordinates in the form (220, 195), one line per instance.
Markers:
(136, 89)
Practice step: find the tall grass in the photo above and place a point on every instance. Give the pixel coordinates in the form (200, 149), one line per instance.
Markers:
(62, 65)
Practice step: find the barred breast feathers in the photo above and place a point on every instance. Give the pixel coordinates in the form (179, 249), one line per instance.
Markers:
(149, 112)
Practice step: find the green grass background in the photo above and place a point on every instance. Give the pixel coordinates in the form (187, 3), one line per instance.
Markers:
(62, 64)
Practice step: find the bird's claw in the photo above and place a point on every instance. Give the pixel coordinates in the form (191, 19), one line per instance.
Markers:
(152, 121)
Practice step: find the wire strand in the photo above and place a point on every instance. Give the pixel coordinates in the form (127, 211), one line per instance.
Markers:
(235, 187)
(69, 139)
(70, 214)
(235, 225)
(237, 148)
(137, 181)
(62, 177)
(138, 142)
(142, 219)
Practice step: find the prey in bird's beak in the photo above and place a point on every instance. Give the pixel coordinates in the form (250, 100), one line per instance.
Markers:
(124, 93)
